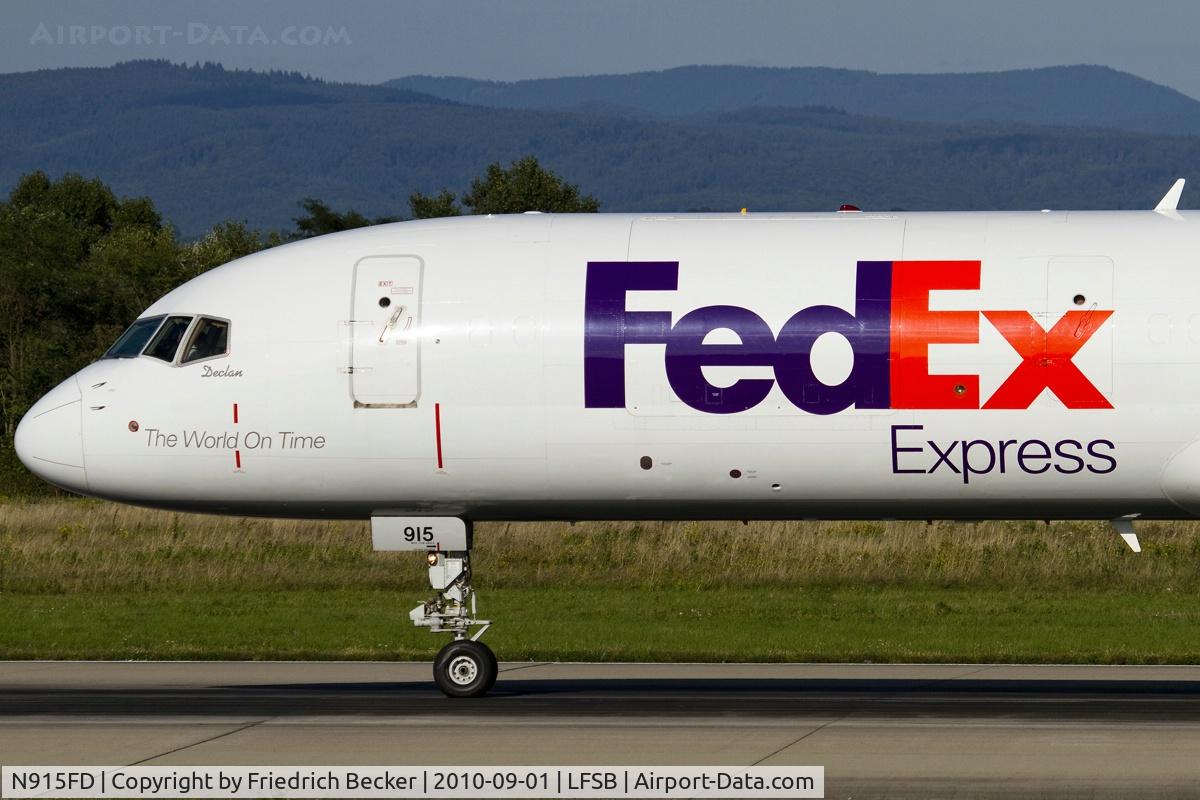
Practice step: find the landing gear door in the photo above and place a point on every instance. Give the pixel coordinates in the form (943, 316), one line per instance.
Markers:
(385, 344)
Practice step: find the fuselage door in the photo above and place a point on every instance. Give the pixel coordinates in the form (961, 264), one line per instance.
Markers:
(385, 332)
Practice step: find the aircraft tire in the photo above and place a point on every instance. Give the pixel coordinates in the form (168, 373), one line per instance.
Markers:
(465, 669)
(495, 668)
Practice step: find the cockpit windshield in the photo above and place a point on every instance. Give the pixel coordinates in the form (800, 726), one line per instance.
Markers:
(134, 339)
(161, 337)
(210, 339)
(166, 341)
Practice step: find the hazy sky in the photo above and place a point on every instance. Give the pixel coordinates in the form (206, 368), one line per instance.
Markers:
(509, 39)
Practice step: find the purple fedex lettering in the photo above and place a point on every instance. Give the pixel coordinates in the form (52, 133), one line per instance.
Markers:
(608, 327)
(868, 331)
(687, 355)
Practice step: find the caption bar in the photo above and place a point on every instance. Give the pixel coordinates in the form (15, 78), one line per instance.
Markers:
(422, 782)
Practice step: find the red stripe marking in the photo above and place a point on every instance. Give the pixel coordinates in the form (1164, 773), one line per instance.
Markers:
(235, 413)
(237, 454)
(437, 427)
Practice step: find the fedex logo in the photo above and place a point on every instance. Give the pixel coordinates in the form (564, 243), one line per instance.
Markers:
(889, 330)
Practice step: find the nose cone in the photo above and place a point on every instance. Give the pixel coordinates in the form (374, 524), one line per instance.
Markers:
(49, 440)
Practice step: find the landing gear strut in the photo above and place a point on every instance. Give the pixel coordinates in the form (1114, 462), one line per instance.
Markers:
(466, 667)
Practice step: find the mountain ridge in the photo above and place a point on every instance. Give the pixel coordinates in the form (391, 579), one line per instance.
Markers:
(1085, 95)
(208, 144)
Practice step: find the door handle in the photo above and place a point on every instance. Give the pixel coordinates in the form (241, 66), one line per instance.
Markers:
(391, 323)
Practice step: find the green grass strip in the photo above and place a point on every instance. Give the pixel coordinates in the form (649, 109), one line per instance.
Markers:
(889, 624)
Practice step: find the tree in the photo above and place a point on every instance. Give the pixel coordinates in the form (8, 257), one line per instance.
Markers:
(223, 243)
(525, 186)
(429, 206)
(77, 265)
(321, 219)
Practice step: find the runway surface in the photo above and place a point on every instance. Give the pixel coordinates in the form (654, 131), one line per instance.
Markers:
(879, 730)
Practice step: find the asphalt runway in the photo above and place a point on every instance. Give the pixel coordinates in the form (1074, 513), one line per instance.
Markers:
(879, 730)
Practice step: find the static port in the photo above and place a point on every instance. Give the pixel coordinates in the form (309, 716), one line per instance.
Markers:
(647, 462)
(384, 302)
(775, 487)
(735, 473)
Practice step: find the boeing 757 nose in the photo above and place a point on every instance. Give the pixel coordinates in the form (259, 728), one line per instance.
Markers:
(49, 439)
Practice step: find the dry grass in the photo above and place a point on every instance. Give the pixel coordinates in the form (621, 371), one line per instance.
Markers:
(92, 546)
(89, 545)
(88, 579)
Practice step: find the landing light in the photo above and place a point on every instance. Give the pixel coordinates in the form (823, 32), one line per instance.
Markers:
(431, 559)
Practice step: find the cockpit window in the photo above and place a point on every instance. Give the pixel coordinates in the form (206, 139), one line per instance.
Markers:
(209, 340)
(166, 342)
(134, 339)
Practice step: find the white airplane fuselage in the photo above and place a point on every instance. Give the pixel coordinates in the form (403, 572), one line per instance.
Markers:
(925, 365)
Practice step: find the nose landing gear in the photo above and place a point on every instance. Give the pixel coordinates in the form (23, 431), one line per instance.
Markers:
(466, 667)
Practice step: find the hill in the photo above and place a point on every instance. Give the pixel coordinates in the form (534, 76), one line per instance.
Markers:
(208, 144)
(1076, 95)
